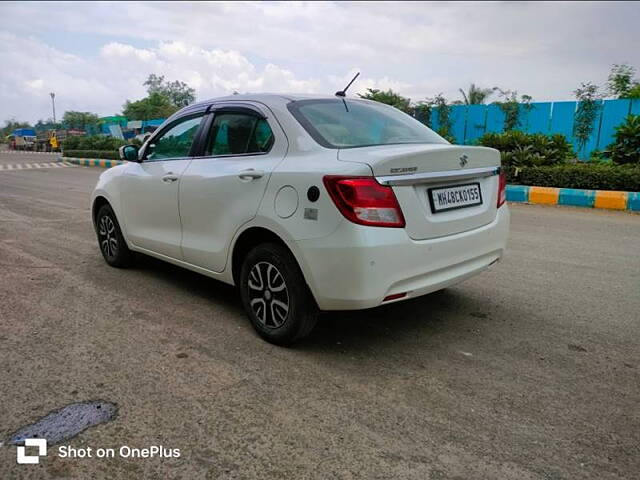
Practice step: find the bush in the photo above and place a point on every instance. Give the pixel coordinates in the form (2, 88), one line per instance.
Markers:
(521, 149)
(590, 176)
(71, 143)
(95, 142)
(626, 147)
(103, 154)
(444, 133)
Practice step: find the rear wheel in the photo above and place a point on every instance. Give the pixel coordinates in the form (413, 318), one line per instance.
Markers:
(275, 295)
(112, 244)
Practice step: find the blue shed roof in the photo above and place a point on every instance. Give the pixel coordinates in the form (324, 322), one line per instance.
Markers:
(24, 132)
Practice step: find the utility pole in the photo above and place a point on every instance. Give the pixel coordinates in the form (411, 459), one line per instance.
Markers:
(53, 103)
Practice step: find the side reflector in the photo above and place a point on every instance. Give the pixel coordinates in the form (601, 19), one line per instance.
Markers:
(395, 296)
(502, 189)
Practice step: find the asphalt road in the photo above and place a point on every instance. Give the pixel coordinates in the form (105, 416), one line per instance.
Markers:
(528, 371)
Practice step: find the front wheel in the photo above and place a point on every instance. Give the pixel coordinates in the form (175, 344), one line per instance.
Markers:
(275, 295)
(112, 244)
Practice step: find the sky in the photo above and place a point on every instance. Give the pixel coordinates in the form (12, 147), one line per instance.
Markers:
(96, 55)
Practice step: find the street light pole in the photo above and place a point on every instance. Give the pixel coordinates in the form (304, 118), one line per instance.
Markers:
(53, 103)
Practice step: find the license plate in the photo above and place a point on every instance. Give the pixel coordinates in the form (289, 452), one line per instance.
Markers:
(443, 199)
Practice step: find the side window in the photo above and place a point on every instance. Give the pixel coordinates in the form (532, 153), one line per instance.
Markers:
(175, 142)
(238, 134)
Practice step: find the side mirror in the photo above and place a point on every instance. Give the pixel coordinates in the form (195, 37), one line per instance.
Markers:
(129, 152)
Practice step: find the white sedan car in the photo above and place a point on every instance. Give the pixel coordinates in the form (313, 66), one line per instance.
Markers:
(305, 204)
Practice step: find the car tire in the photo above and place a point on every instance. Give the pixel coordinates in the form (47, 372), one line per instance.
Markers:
(110, 240)
(275, 295)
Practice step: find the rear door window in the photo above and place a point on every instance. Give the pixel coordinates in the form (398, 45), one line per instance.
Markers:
(239, 134)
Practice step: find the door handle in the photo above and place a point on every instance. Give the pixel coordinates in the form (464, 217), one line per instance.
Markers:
(250, 174)
(170, 178)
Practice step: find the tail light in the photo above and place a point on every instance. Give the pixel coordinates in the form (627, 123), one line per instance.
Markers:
(502, 189)
(363, 200)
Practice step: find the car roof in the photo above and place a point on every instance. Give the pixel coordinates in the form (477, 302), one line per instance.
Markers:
(270, 99)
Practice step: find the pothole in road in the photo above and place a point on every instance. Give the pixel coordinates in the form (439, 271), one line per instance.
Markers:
(67, 422)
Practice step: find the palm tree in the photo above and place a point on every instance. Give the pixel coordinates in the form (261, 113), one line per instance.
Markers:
(476, 95)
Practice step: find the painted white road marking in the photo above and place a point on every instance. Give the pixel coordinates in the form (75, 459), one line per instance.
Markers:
(28, 166)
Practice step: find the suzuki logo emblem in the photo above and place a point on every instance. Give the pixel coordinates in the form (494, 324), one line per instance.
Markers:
(463, 160)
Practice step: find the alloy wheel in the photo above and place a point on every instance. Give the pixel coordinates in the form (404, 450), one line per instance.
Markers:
(108, 238)
(268, 295)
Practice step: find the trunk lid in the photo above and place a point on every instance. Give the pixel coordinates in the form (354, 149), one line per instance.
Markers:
(419, 172)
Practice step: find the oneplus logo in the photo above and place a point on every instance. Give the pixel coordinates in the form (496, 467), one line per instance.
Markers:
(23, 458)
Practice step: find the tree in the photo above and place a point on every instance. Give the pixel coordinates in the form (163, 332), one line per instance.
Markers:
(511, 107)
(621, 83)
(47, 124)
(389, 97)
(154, 83)
(80, 120)
(421, 111)
(588, 97)
(156, 105)
(634, 92)
(164, 99)
(443, 111)
(179, 93)
(476, 95)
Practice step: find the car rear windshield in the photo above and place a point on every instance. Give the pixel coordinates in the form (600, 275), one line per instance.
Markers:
(335, 123)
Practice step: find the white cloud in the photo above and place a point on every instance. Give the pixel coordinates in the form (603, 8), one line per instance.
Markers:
(103, 83)
(33, 69)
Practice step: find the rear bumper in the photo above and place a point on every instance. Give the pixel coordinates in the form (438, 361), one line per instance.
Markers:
(356, 267)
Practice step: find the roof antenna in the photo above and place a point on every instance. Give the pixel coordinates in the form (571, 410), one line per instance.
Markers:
(342, 93)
